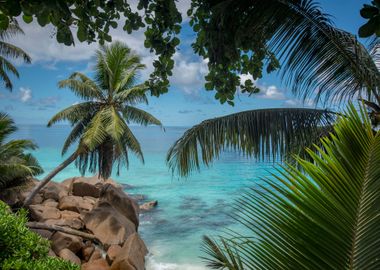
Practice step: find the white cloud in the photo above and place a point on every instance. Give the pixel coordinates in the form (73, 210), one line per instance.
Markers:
(298, 103)
(271, 92)
(266, 92)
(188, 75)
(25, 94)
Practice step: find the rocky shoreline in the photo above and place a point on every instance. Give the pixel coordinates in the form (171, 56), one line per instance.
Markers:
(90, 221)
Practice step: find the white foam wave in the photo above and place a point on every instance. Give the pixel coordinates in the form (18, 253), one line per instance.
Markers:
(152, 264)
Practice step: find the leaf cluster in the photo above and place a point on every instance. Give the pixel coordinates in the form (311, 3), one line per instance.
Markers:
(22, 249)
(325, 216)
(92, 21)
(372, 14)
(16, 164)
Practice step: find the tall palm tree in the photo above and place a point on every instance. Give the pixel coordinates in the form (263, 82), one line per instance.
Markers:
(16, 165)
(318, 60)
(100, 123)
(326, 216)
(8, 50)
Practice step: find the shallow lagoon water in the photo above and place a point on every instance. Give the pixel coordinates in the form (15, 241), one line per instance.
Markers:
(187, 208)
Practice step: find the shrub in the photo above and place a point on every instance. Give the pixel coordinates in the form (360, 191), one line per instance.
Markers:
(22, 249)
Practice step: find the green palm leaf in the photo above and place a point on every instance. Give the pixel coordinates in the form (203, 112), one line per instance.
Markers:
(325, 218)
(139, 116)
(75, 112)
(264, 134)
(9, 50)
(82, 86)
(16, 166)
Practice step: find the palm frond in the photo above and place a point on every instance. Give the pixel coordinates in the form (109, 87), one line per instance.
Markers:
(139, 116)
(82, 86)
(75, 112)
(324, 217)
(133, 95)
(264, 134)
(314, 55)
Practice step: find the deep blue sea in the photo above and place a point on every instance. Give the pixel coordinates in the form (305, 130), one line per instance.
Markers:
(187, 208)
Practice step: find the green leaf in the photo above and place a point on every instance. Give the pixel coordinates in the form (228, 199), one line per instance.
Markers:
(27, 19)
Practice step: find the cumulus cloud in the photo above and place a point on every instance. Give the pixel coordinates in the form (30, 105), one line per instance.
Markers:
(271, 92)
(299, 103)
(266, 92)
(188, 75)
(25, 94)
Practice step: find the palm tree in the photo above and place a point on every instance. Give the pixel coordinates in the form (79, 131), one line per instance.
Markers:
(325, 216)
(318, 60)
(8, 50)
(16, 166)
(100, 123)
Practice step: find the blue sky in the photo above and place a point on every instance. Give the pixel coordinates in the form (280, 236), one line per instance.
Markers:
(36, 98)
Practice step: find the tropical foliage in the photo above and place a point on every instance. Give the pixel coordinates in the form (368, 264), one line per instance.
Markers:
(16, 165)
(318, 61)
(22, 249)
(371, 13)
(237, 37)
(8, 50)
(323, 217)
(100, 123)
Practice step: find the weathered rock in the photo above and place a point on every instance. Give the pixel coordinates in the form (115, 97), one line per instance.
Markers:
(69, 214)
(108, 224)
(75, 204)
(132, 255)
(54, 191)
(62, 240)
(68, 255)
(41, 212)
(121, 202)
(97, 254)
(113, 183)
(87, 251)
(14, 197)
(87, 186)
(148, 205)
(50, 203)
(68, 183)
(99, 264)
(75, 223)
(112, 252)
(51, 253)
(44, 233)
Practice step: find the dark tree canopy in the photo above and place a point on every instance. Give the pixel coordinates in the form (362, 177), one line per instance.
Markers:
(372, 14)
(237, 37)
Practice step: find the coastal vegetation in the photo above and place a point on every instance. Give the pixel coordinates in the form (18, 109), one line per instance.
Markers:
(319, 62)
(17, 166)
(8, 50)
(100, 123)
(324, 216)
(319, 210)
(21, 248)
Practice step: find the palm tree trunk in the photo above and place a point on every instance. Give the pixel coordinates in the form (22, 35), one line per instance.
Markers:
(47, 178)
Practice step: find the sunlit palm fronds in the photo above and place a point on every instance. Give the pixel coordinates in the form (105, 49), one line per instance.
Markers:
(263, 134)
(325, 217)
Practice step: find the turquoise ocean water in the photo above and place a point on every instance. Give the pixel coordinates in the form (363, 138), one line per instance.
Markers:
(188, 208)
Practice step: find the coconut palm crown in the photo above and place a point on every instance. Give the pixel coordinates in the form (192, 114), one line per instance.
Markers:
(100, 123)
(8, 50)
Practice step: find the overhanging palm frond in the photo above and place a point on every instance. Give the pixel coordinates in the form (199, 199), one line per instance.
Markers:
(314, 54)
(325, 217)
(264, 134)
(9, 50)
